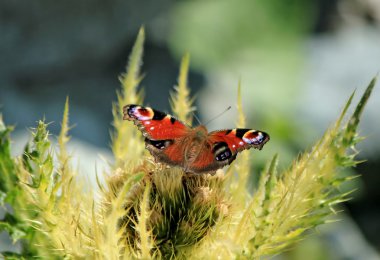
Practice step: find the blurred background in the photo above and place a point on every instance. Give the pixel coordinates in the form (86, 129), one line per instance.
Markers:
(298, 62)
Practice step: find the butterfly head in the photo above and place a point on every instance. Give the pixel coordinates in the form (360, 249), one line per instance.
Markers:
(200, 131)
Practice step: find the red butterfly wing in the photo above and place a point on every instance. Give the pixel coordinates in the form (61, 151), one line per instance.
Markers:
(172, 142)
(239, 139)
(224, 146)
(162, 131)
(205, 162)
(154, 124)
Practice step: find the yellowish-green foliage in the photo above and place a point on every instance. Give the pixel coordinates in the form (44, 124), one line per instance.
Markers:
(180, 100)
(238, 183)
(146, 210)
(125, 142)
(56, 212)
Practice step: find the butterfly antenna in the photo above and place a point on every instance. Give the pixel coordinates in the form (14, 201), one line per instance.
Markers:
(217, 116)
(195, 116)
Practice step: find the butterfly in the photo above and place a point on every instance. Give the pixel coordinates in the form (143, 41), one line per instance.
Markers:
(174, 143)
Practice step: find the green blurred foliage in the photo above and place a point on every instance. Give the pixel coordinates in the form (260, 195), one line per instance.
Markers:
(228, 27)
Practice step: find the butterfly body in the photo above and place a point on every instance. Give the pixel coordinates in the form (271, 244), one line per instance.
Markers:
(194, 149)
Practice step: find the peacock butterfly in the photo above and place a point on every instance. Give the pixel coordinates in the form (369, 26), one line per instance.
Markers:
(194, 149)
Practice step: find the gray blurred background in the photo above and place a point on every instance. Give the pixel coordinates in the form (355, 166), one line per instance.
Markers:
(298, 61)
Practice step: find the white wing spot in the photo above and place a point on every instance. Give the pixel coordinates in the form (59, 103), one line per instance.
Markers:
(241, 143)
(247, 140)
(152, 128)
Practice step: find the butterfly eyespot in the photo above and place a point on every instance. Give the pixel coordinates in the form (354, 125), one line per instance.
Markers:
(254, 137)
(225, 155)
(221, 151)
(140, 113)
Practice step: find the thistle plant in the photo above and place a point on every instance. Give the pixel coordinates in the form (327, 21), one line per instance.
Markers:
(147, 210)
